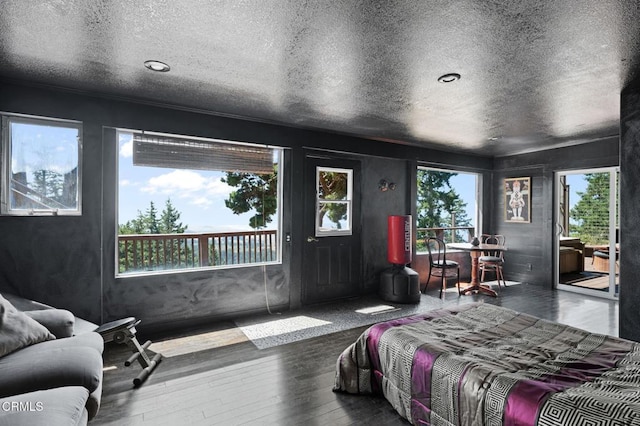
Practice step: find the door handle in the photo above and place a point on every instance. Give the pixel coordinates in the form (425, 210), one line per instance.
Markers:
(311, 239)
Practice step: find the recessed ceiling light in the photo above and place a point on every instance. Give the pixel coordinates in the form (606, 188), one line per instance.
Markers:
(449, 78)
(157, 66)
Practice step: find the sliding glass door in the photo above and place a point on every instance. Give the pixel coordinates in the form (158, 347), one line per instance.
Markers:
(586, 241)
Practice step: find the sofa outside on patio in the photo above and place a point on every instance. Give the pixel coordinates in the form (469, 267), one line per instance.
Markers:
(601, 260)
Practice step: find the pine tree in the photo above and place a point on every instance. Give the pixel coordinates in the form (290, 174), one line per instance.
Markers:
(151, 218)
(48, 184)
(438, 202)
(591, 212)
(149, 223)
(256, 192)
(169, 220)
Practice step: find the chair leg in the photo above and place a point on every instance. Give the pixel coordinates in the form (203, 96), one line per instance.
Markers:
(458, 281)
(496, 270)
(443, 284)
(428, 279)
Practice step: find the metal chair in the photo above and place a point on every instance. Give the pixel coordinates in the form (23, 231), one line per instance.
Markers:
(439, 266)
(492, 260)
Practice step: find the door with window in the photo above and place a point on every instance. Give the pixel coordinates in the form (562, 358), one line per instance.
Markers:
(587, 240)
(332, 248)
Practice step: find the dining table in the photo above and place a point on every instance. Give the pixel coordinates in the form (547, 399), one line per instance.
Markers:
(475, 286)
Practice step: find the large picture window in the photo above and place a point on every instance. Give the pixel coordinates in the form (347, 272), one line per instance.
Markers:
(186, 203)
(41, 166)
(447, 205)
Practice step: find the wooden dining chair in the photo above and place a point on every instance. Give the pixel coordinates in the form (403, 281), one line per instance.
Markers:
(492, 260)
(439, 266)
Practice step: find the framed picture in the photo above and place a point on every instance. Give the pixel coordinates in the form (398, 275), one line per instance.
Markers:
(517, 200)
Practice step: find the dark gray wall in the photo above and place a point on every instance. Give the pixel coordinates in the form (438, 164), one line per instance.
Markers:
(532, 243)
(629, 210)
(376, 207)
(69, 262)
(57, 260)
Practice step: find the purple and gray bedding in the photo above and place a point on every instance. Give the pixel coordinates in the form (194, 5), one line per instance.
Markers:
(480, 364)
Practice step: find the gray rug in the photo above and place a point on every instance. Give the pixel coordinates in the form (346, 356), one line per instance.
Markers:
(281, 328)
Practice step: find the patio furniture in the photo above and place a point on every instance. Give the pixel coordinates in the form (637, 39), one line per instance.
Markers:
(600, 260)
(439, 266)
(475, 252)
(571, 260)
(492, 260)
(571, 255)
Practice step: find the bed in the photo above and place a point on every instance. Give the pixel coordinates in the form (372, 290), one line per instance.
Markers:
(480, 364)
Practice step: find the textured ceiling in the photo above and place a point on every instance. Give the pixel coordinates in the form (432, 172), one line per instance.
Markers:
(535, 73)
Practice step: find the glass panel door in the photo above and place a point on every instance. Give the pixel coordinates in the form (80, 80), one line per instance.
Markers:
(587, 249)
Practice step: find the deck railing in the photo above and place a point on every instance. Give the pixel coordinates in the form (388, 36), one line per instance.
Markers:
(455, 234)
(154, 252)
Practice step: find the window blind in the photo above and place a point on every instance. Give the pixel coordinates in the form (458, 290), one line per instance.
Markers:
(178, 153)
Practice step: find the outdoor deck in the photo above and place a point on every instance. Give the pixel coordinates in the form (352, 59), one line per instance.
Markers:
(152, 252)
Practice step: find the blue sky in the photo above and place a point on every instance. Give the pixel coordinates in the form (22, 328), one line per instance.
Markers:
(198, 195)
(576, 183)
(465, 186)
(39, 146)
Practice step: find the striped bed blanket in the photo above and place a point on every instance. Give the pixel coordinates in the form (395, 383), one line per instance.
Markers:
(480, 364)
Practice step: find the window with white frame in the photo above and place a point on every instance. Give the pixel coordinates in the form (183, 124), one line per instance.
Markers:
(186, 203)
(41, 166)
(334, 193)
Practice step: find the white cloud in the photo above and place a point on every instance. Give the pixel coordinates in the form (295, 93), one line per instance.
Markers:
(126, 182)
(176, 182)
(126, 149)
(190, 185)
(217, 187)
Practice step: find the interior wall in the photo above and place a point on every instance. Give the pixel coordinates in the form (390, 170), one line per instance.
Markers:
(69, 262)
(57, 259)
(629, 208)
(531, 248)
(377, 206)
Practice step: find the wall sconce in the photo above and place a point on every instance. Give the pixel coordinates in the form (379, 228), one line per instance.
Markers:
(385, 185)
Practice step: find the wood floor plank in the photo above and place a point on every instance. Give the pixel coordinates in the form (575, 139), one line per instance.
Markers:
(292, 384)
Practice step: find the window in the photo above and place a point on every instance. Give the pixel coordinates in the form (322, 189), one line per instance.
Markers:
(41, 166)
(187, 203)
(447, 205)
(333, 203)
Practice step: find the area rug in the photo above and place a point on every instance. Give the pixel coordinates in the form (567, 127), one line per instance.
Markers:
(267, 331)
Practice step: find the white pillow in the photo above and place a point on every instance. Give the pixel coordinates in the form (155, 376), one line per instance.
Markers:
(17, 330)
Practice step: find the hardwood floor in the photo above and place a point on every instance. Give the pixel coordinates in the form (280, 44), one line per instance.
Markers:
(291, 384)
(599, 281)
